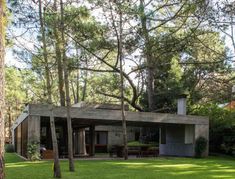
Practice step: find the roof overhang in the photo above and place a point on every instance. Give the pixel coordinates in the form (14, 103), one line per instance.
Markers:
(104, 116)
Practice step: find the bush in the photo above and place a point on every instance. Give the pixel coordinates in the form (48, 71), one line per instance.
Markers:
(222, 127)
(200, 147)
(9, 148)
(33, 151)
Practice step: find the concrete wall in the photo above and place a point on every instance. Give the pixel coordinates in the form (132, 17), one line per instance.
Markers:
(34, 130)
(177, 140)
(177, 149)
(203, 131)
(115, 136)
(109, 117)
(180, 139)
(189, 134)
(28, 133)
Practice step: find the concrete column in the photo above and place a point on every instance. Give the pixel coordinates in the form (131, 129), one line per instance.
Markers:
(34, 125)
(82, 142)
(92, 140)
(203, 131)
(181, 106)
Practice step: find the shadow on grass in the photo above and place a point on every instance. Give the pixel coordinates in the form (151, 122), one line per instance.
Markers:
(181, 168)
(161, 168)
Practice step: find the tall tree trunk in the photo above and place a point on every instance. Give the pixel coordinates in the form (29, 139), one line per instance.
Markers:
(82, 132)
(78, 75)
(9, 124)
(85, 84)
(68, 100)
(58, 48)
(122, 86)
(77, 87)
(2, 86)
(149, 58)
(57, 171)
(84, 88)
(73, 92)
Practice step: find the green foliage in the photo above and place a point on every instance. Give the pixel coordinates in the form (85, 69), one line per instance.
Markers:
(222, 127)
(186, 55)
(16, 94)
(33, 151)
(200, 146)
(9, 148)
(139, 144)
(14, 86)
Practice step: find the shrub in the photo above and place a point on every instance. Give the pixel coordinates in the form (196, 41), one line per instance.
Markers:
(9, 148)
(200, 147)
(33, 151)
(222, 127)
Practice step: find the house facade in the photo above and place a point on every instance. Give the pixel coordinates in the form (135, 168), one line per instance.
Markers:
(177, 132)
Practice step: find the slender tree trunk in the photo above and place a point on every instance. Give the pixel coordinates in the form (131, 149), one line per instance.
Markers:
(2, 85)
(77, 87)
(149, 58)
(58, 48)
(69, 122)
(122, 87)
(57, 171)
(82, 132)
(85, 84)
(73, 92)
(78, 76)
(9, 123)
(84, 88)
(68, 100)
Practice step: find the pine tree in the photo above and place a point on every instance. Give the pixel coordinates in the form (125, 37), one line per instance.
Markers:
(2, 83)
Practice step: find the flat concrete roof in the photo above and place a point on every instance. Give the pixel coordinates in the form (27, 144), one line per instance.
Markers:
(89, 115)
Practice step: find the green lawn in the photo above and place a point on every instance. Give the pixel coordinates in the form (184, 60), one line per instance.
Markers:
(158, 168)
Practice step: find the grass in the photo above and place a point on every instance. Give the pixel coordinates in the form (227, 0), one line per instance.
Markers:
(160, 168)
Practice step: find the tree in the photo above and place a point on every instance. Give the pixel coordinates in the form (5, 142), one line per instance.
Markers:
(220, 15)
(58, 51)
(120, 54)
(57, 172)
(2, 86)
(67, 92)
(149, 57)
(15, 97)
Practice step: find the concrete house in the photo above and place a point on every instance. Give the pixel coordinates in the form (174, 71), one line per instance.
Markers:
(178, 132)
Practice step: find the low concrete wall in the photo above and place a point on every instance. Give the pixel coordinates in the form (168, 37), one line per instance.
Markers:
(177, 149)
